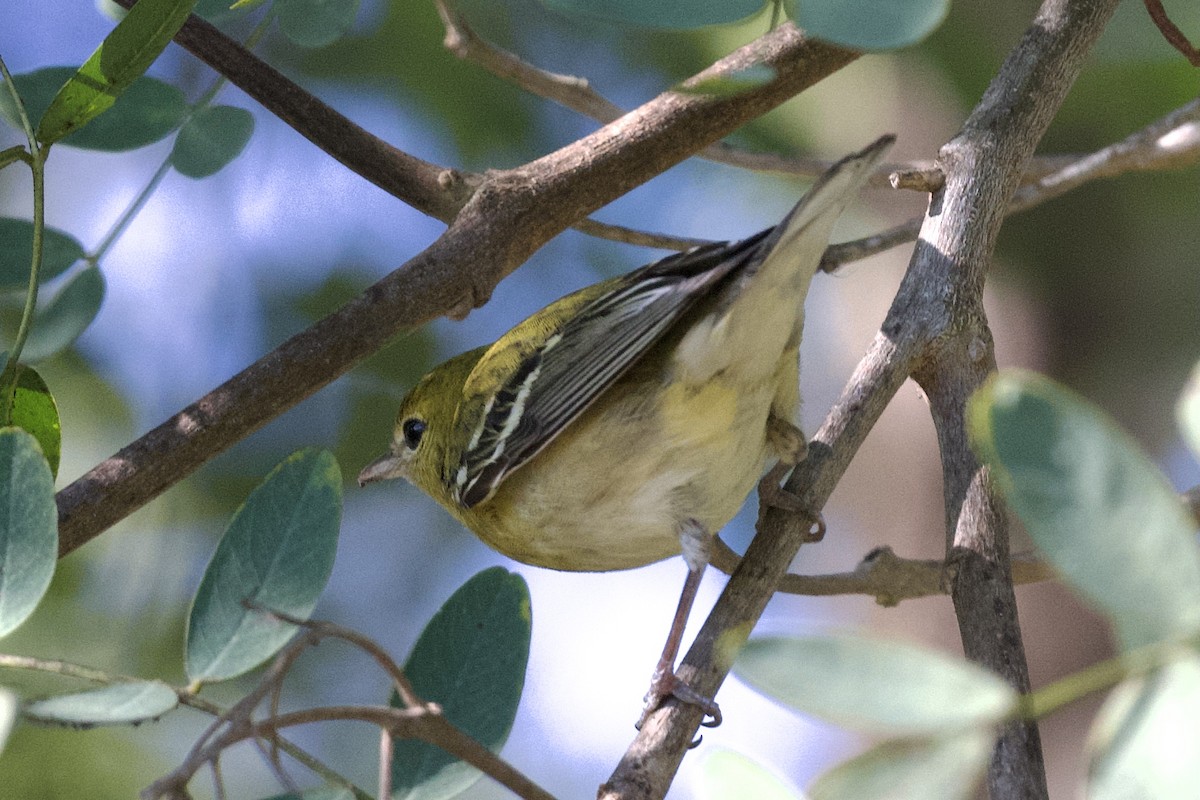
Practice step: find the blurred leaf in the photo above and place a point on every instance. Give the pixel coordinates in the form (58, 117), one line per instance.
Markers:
(1096, 507)
(59, 251)
(119, 704)
(1144, 742)
(317, 793)
(870, 24)
(315, 23)
(58, 323)
(727, 775)
(28, 527)
(873, 685)
(478, 113)
(277, 552)
(902, 769)
(210, 140)
(126, 53)
(1188, 412)
(471, 659)
(678, 15)
(8, 715)
(35, 412)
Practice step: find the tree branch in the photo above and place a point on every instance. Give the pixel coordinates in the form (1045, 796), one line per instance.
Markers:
(936, 330)
(1170, 142)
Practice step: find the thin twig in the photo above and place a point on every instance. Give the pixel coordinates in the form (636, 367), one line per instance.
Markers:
(1170, 142)
(1171, 32)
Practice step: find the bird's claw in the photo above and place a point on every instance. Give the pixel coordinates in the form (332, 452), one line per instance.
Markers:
(665, 684)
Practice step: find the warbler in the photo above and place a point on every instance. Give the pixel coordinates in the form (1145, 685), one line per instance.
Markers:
(627, 422)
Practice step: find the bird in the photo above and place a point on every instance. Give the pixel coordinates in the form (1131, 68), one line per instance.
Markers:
(628, 422)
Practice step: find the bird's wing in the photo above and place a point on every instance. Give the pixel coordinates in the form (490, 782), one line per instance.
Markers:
(579, 353)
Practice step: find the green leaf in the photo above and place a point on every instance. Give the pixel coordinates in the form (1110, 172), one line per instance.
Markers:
(119, 704)
(1188, 412)
(873, 685)
(277, 553)
(945, 768)
(315, 23)
(210, 140)
(145, 113)
(8, 715)
(35, 412)
(59, 251)
(126, 53)
(871, 24)
(1144, 741)
(471, 659)
(1095, 506)
(58, 323)
(676, 15)
(731, 776)
(28, 527)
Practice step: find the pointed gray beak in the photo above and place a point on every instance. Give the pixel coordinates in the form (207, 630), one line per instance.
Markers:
(384, 468)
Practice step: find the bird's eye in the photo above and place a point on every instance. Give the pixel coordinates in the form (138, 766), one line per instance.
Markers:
(413, 429)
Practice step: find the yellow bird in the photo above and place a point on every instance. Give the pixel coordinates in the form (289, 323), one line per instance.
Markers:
(627, 422)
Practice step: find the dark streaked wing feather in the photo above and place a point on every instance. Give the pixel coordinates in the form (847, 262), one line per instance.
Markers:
(556, 382)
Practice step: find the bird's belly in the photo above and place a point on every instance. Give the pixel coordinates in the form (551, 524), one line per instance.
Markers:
(620, 501)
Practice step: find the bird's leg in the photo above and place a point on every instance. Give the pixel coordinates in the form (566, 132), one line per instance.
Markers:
(791, 445)
(697, 546)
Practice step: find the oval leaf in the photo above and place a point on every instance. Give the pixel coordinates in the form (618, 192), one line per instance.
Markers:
(875, 686)
(315, 23)
(126, 53)
(34, 411)
(732, 776)
(1144, 742)
(119, 704)
(870, 24)
(210, 140)
(1096, 507)
(1188, 412)
(677, 15)
(28, 527)
(471, 659)
(58, 323)
(8, 715)
(277, 554)
(932, 769)
(145, 113)
(59, 251)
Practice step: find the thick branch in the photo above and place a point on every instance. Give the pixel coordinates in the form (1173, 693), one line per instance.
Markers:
(983, 165)
(511, 215)
(939, 298)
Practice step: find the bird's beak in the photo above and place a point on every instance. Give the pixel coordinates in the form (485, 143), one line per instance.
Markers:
(386, 467)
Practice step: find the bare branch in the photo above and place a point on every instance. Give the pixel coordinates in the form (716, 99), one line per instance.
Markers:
(1171, 32)
(934, 330)
(885, 576)
(1171, 142)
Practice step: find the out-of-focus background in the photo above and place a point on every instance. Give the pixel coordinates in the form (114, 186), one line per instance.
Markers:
(1100, 289)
